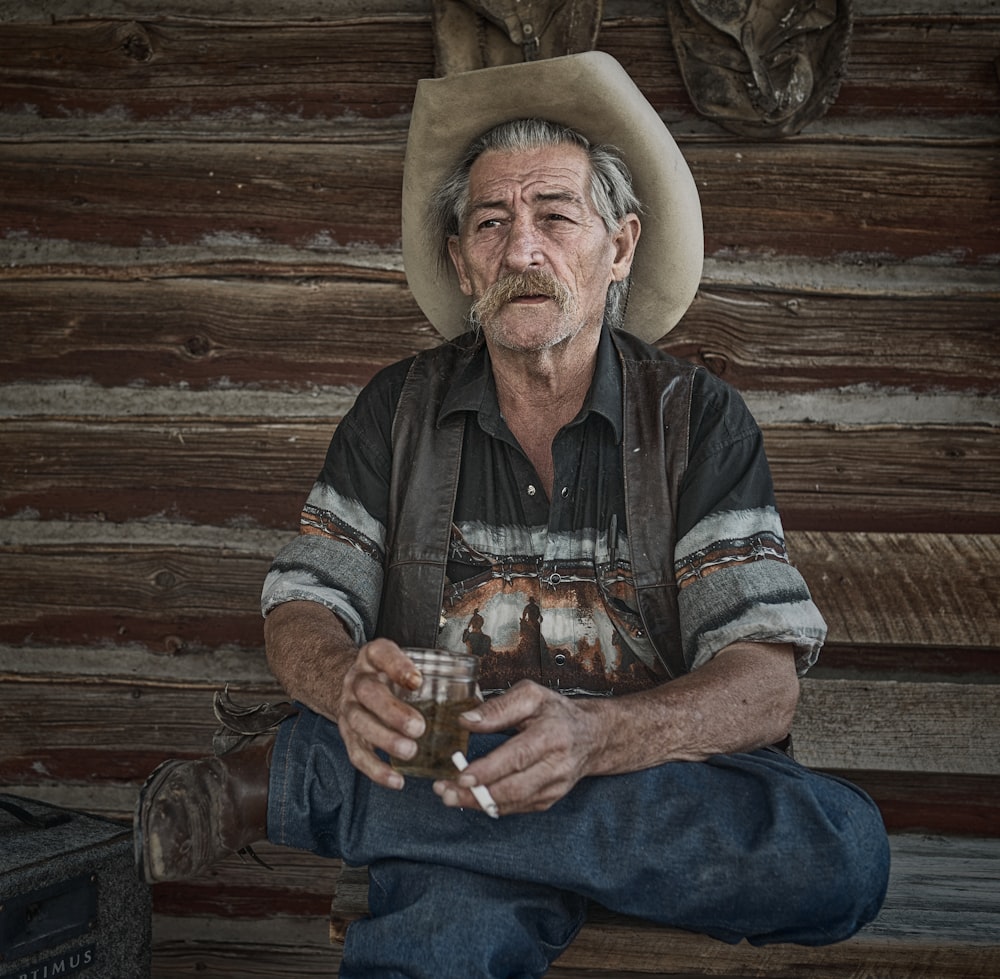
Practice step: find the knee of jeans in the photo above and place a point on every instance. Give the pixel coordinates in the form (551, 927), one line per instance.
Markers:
(455, 922)
(864, 869)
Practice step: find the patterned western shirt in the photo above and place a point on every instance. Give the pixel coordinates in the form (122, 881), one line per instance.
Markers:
(542, 588)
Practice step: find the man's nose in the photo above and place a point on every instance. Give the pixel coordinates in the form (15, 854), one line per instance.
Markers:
(523, 247)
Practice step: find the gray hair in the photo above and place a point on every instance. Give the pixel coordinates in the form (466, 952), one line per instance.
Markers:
(610, 187)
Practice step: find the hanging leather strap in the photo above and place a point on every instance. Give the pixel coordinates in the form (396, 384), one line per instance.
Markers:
(473, 34)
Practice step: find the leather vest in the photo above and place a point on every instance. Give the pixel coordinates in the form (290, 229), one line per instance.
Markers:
(426, 462)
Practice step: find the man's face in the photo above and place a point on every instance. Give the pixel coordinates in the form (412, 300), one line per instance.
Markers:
(533, 253)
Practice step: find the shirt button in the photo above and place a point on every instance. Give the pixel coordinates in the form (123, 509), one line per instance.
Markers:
(565, 492)
(531, 490)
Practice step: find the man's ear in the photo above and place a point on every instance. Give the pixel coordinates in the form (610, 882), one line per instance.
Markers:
(455, 253)
(625, 242)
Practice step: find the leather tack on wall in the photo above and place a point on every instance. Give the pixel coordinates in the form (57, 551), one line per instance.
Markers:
(472, 34)
(761, 68)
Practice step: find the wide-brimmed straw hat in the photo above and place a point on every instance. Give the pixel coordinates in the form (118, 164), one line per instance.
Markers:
(594, 95)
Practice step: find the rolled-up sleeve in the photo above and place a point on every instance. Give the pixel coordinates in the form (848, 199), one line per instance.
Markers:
(735, 578)
(337, 558)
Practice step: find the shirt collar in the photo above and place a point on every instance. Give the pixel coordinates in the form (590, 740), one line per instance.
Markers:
(475, 390)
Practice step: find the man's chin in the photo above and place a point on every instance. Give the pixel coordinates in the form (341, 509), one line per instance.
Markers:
(530, 334)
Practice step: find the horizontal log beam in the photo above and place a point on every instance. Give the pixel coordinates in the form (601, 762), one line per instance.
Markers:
(211, 667)
(899, 726)
(97, 732)
(299, 884)
(255, 195)
(279, 946)
(151, 332)
(898, 588)
(636, 951)
(910, 802)
(901, 62)
(101, 732)
(224, 470)
(786, 338)
(778, 197)
(956, 663)
(308, 11)
(792, 198)
(171, 587)
(920, 331)
(875, 478)
(148, 71)
(145, 69)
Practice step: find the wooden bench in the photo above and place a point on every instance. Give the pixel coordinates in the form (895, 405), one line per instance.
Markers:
(928, 750)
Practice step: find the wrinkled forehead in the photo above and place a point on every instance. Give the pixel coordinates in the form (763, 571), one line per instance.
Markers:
(561, 169)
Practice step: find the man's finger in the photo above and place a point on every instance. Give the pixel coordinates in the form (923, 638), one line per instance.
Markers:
(506, 711)
(364, 759)
(386, 658)
(377, 700)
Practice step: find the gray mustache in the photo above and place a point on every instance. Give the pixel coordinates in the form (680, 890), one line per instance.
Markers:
(534, 282)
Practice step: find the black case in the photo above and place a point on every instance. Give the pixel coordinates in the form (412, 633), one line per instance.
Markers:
(71, 902)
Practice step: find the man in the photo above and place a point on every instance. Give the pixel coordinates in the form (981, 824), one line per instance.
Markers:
(605, 514)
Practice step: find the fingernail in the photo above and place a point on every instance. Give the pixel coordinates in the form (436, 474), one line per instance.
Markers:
(473, 716)
(396, 781)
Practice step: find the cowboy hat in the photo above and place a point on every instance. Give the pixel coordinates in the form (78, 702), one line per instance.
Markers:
(592, 94)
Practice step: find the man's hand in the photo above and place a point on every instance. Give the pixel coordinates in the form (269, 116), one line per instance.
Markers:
(371, 717)
(744, 698)
(556, 741)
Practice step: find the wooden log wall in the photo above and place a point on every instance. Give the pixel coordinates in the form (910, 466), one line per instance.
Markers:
(199, 266)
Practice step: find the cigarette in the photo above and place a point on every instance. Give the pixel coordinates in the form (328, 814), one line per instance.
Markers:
(481, 793)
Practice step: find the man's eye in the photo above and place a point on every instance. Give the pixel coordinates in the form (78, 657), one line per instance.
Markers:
(488, 224)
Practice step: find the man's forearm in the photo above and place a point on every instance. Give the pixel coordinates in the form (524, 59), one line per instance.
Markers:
(309, 651)
(743, 699)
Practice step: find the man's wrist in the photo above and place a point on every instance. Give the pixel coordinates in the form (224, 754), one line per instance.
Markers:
(604, 717)
(309, 653)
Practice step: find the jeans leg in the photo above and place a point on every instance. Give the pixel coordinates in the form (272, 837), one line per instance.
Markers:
(740, 846)
(441, 922)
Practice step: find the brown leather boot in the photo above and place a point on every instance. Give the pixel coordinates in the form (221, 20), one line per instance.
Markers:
(191, 814)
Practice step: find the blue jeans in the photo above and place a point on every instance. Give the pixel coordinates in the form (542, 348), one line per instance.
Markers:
(750, 846)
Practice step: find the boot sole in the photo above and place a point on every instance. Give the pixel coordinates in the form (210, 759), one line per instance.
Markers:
(139, 820)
